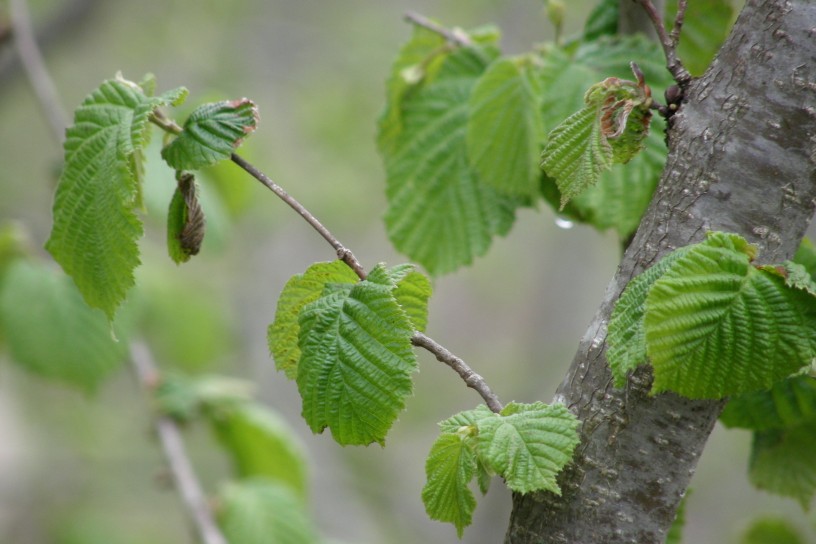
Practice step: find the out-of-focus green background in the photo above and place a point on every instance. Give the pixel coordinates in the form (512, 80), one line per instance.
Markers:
(85, 469)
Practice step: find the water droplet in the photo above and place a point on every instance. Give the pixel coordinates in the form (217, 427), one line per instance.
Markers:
(562, 223)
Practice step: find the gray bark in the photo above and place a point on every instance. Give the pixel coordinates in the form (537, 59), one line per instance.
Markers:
(742, 159)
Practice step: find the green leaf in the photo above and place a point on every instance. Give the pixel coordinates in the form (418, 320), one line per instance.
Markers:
(211, 133)
(504, 130)
(95, 224)
(468, 418)
(439, 212)
(261, 444)
(625, 339)
(183, 397)
(355, 370)
(299, 291)
(602, 21)
(675, 535)
(788, 403)
(529, 444)
(782, 462)
(795, 276)
(50, 331)
(771, 530)
(609, 129)
(416, 63)
(705, 27)
(717, 326)
(412, 294)
(258, 511)
(622, 194)
(576, 153)
(185, 220)
(806, 256)
(449, 468)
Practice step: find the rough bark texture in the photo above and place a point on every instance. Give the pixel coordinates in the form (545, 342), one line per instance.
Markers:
(742, 159)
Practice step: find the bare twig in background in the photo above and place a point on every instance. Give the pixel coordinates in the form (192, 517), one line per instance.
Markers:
(169, 434)
(343, 253)
(65, 20)
(34, 66)
(181, 468)
(669, 42)
(455, 36)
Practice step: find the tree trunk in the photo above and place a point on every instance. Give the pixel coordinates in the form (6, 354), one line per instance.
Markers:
(742, 159)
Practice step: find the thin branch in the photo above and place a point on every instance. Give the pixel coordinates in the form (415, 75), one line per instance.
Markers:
(472, 380)
(142, 361)
(173, 446)
(679, 18)
(443, 355)
(343, 253)
(455, 36)
(34, 65)
(669, 43)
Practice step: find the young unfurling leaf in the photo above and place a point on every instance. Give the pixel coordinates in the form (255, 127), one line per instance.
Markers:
(609, 130)
(185, 220)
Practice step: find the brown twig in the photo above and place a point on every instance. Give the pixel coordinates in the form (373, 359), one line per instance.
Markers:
(443, 355)
(472, 380)
(172, 444)
(34, 66)
(343, 253)
(455, 36)
(669, 42)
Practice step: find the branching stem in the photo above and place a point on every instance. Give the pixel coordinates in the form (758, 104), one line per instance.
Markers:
(172, 445)
(443, 355)
(455, 36)
(669, 41)
(47, 97)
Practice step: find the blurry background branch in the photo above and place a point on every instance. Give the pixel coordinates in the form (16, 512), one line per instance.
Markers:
(141, 359)
(172, 444)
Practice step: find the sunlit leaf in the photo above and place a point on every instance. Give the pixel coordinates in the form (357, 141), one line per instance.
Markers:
(95, 225)
(299, 291)
(439, 213)
(450, 467)
(529, 444)
(356, 364)
(211, 133)
(717, 326)
(505, 131)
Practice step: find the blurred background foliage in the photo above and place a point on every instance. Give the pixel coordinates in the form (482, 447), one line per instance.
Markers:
(83, 467)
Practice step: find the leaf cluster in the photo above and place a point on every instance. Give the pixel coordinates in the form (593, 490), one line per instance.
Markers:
(712, 323)
(347, 343)
(267, 498)
(526, 444)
